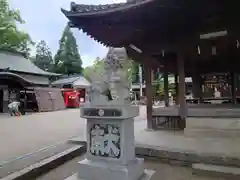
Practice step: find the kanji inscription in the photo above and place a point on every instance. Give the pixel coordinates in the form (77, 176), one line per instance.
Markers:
(105, 140)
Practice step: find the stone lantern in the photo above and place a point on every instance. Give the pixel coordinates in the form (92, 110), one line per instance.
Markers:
(110, 128)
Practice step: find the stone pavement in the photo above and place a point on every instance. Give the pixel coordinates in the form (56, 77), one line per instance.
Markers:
(175, 148)
(27, 134)
(40, 161)
(178, 142)
(163, 171)
(21, 136)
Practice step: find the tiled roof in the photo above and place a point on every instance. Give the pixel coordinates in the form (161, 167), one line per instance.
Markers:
(69, 80)
(83, 8)
(79, 81)
(87, 8)
(30, 79)
(16, 62)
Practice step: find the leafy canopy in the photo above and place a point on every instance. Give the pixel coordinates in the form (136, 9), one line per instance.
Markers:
(43, 57)
(11, 38)
(68, 60)
(98, 67)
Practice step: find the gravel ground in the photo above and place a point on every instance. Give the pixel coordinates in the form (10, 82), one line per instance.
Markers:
(163, 171)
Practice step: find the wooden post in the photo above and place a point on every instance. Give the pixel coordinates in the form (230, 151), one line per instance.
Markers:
(25, 99)
(149, 95)
(234, 85)
(181, 87)
(152, 80)
(166, 91)
(197, 86)
(176, 88)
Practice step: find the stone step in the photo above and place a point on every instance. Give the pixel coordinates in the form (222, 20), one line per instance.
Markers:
(185, 157)
(146, 176)
(213, 127)
(213, 133)
(225, 172)
(34, 164)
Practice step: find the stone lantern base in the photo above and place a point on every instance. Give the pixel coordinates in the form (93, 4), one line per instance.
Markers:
(110, 145)
(146, 176)
(103, 170)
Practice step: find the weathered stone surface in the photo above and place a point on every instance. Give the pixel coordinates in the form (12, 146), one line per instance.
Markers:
(102, 170)
(187, 157)
(146, 176)
(110, 128)
(213, 127)
(230, 173)
(125, 143)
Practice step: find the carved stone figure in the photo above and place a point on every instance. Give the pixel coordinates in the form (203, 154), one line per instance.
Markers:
(114, 65)
(112, 83)
(97, 93)
(110, 125)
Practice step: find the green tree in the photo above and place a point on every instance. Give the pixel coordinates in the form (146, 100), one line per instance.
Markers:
(135, 71)
(131, 68)
(43, 57)
(68, 60)
(96, 67)
(159, 86)
(11, 38)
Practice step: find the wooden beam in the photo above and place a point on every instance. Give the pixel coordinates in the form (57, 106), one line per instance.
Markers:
(189, 42)
(166, 92)
(149, 95)
(181, 89)
(141, 57)
(196, 81)
(233, 86)
(176, 87)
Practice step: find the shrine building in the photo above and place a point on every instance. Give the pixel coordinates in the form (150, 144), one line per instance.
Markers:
(21, 80)
(197, 39)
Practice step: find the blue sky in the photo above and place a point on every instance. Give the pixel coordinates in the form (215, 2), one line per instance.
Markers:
(44, 21)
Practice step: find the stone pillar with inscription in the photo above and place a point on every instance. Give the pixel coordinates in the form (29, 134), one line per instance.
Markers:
(110, 128)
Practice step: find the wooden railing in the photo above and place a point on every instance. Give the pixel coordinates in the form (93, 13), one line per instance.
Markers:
(168, 117)
(168, 122)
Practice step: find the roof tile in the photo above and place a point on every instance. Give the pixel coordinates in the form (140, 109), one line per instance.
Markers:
(81, 8)
(16, 62)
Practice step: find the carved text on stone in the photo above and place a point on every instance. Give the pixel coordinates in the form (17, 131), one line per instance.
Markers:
(105, 140)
